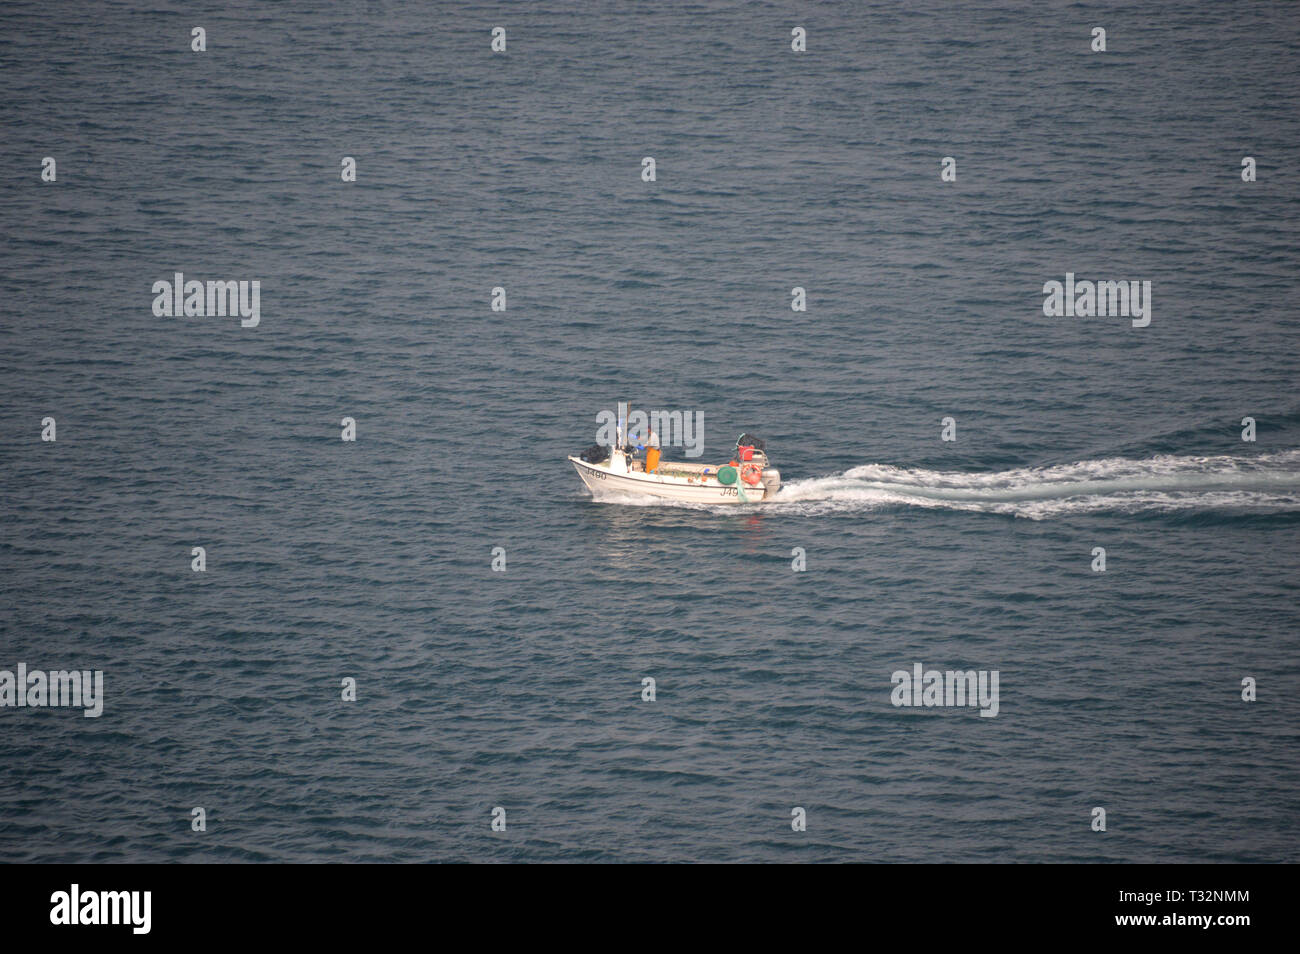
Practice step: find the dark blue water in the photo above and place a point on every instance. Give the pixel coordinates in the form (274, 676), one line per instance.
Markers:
(521, 689)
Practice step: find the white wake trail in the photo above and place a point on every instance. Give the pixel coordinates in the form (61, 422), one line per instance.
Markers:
(1260, 483)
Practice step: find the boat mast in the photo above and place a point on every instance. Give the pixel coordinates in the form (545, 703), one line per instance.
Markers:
(617, 461)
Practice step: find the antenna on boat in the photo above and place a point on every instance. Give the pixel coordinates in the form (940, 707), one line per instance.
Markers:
(622, 424)
(617, 459)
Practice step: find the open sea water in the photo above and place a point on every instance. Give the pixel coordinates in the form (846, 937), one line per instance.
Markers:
(521, 689)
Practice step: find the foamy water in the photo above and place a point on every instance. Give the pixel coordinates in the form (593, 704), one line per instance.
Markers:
(1266, 483)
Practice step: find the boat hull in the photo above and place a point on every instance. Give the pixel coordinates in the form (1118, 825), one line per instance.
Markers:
(603, 482)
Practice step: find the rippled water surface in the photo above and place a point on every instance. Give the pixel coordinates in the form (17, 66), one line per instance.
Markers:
(372, 560)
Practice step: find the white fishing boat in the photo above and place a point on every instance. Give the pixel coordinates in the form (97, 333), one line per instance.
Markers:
(748, 477)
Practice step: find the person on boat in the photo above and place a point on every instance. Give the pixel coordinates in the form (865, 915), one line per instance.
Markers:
(650, 445)
(651, 450)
